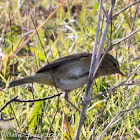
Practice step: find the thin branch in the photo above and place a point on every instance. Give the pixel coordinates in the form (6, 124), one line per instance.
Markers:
(130, 109)
(8, 102)
(108, 126)
(14, 99)
(91, 80)
(133, 83)
(120, 84)
(135, 15)
(104, 12)
(92, 68)
(125, 8)
(38, 37)
(36, 100)
(117, 42)
(52, 74)
(92, 65)
(115, 120)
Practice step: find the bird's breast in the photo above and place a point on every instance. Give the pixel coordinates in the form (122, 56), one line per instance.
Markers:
(72, 83)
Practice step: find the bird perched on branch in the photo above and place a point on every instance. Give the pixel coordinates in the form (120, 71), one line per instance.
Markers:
(70, 72)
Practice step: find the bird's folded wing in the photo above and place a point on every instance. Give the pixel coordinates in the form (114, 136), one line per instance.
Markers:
(62, 61)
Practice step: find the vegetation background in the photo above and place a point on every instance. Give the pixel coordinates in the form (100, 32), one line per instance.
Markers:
(70, 28)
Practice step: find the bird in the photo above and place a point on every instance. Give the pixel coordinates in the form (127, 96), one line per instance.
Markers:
(70, 72)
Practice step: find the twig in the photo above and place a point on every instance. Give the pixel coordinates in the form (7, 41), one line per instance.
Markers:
(52, 74)
(104, 12)
(120, 84)
(130, 84)
(92, 68)
(135, 15)
(108, 126)
(125, 8)
(41, 99)
(8, 102)
(14, 99)
(130, 109)
(117, 42)
(115, 120)
(91, 80)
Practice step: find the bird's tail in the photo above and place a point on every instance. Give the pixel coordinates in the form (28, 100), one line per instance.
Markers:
(23, 81)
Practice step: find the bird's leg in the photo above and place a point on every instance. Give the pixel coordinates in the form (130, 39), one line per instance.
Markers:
(66, 98)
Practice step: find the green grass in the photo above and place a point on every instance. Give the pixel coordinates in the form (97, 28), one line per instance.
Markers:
(61, 36)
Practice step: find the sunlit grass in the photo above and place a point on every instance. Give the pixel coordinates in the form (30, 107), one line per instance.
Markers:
(60, 36)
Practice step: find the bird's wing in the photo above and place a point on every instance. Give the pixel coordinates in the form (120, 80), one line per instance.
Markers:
(64, 60)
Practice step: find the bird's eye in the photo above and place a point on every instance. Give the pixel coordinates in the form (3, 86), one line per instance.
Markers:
(114, 64)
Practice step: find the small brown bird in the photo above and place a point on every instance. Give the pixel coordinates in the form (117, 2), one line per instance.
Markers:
(70, 72)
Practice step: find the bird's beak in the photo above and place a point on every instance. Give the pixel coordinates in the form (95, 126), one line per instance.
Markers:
(121, 73)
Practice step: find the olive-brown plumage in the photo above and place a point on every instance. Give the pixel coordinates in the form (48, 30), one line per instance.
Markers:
(70, 72)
